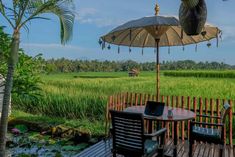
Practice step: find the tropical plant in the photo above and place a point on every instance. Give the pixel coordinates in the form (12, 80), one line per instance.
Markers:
(27, 74)
(18, 13)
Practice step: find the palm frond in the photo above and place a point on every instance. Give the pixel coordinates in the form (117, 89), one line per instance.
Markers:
(63, 9)
(2, 10)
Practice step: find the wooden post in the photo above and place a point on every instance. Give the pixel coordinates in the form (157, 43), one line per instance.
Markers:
(163, 99)
(189, 108)
(182, 124)
(127, 99)
(136, 99)
(167, 124)
(218, 109)
(131, 97)
(158, 70)
(200, 109)
(212, 111)
(206, 109)
(172, 124)
(195, 105)
(141, 100)
(231, 124)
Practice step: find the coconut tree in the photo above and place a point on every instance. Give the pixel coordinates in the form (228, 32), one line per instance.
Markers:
(19, 13)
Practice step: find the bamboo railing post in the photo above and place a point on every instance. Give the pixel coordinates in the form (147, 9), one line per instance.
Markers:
(127, 99)
(206, 109)
(131, 97)
(136, 99)
(200, 109)
(141, 99)
(231, 124)
(107, 116)
(189, 108)
(182, 124)
(118, 102)
(212, 111)
(218, 109)
(195, 105)
(167, 124)
(124, 101)
(172, 124)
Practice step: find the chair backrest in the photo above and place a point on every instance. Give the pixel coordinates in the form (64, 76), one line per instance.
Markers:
(128, 133)
(225, 111)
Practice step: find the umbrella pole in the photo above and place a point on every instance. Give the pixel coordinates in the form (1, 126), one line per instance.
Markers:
(157, 70)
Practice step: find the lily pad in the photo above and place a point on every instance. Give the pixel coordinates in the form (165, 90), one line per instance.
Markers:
(75, 148)
(21, 128)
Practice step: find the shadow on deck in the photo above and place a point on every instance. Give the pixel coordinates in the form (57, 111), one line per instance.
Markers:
(103, 149)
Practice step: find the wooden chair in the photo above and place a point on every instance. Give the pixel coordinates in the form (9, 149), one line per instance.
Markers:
(129, 138)
(213, 133)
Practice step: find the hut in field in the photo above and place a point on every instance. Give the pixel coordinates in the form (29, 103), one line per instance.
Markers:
(134, 72)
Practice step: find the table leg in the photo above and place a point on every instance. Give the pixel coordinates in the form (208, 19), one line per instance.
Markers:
(175, 140)
(150, 129)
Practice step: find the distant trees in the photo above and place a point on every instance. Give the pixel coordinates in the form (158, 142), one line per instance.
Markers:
(66, 65)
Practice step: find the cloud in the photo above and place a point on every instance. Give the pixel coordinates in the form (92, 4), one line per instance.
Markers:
(228, 33)
(94, 16)
(51, 46)
(54, 50)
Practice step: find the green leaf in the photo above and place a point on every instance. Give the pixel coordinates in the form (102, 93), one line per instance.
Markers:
(22, 128)
(75, 148)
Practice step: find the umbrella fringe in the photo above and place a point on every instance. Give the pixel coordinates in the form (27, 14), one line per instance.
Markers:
(130, 34)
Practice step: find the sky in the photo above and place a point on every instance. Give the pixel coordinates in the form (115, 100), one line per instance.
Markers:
(95, 18)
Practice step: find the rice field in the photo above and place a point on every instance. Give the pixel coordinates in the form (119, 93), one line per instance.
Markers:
(84, 95)
(205, 74)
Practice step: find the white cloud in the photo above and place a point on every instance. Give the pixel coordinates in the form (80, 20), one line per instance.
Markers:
(93, 16)
(228, 33)
(54, 50)
(51, 46)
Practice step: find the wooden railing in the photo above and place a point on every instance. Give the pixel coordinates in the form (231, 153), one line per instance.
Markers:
(199, 105)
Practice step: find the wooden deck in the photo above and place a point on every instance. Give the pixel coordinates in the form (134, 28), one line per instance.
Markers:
(103, 149)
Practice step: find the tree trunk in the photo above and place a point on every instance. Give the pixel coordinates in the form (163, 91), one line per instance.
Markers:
(13, 58)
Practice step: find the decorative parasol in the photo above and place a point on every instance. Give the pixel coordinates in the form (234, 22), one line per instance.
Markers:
(156, 31)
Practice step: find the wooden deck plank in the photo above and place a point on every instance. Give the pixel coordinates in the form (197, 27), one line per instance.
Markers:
(103, 149)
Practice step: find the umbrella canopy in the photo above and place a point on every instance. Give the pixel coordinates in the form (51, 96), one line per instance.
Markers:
(156, 31)
(143, 32)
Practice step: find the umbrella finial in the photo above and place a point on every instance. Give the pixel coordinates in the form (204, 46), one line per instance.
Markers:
(157, 9)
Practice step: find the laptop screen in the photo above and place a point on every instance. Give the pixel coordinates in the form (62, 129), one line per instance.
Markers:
(154, 108)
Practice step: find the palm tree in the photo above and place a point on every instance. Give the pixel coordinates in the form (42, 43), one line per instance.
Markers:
(18, 13)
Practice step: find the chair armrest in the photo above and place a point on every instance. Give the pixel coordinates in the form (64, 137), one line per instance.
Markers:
(206, 124)
(208, 116)
(157, 133)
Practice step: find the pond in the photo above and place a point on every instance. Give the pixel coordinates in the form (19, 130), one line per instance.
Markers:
(24, 143)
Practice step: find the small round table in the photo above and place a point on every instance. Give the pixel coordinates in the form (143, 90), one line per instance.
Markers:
(179, 114)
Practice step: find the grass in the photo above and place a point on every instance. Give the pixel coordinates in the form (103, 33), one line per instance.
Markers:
(83, 96)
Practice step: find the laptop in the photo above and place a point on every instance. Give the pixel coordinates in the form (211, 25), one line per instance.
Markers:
(154, 108)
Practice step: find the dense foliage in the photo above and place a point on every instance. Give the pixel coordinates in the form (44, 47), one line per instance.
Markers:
(66, 65)
(26, 78)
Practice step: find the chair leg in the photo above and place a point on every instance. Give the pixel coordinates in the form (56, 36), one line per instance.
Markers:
(221, 150)
(191, 148)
